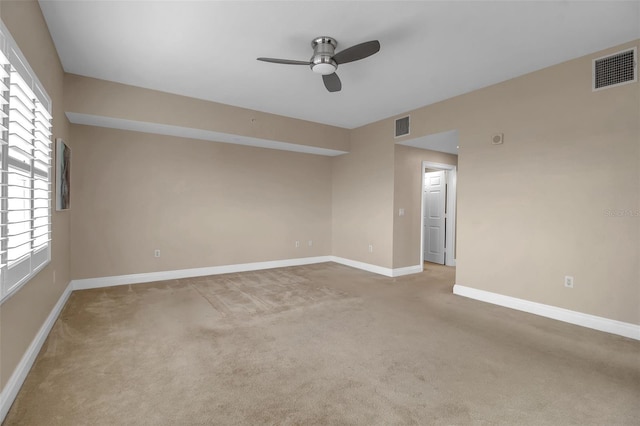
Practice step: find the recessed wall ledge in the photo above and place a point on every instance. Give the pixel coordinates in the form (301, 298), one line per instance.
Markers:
(110, 104)
(191, 133)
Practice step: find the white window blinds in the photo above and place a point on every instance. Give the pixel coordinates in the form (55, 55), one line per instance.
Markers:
(25, 179)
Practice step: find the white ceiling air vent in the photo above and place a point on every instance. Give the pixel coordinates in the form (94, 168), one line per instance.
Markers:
(614, 70)
(402, 126)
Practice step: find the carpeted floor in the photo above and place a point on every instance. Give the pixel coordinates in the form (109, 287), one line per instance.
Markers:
(321, 344)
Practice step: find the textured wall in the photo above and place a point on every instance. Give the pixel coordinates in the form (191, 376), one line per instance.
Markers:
(22, 315)
(535, 209)
(201, 203)
(104, 98)
(408, 195)
(540, 206)
(363, 198)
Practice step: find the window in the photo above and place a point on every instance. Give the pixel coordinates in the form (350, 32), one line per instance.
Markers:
(25, 172)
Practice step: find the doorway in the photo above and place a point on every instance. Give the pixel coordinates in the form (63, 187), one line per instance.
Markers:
(438, 213)
(435, 210)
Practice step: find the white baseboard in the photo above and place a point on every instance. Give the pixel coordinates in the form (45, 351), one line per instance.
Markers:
(11, 389)
(620, 328)
(407, 270)
(380, 270)
(88, 283)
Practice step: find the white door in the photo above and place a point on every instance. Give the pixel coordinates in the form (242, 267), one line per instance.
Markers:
(434, 216)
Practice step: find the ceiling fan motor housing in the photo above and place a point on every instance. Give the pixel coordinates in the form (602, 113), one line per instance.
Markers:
(322, 60)
(325, 61)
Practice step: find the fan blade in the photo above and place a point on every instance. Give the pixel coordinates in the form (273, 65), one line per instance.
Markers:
(332, 82)
(284, 61)
(357, 52)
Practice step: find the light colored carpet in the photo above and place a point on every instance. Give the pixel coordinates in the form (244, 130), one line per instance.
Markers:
(321, 344)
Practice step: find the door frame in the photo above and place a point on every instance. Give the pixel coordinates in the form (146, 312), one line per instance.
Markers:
(450, 220)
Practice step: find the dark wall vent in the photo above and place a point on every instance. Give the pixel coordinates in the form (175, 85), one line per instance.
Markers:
(402, 126)
(614, 70)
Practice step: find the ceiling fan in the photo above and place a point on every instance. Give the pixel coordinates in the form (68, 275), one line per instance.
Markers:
(325, 61)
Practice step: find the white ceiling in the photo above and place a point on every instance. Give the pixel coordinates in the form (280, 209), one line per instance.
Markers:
(443, 142)
(430, 51)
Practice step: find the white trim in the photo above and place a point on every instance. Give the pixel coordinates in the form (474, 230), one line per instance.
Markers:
(452, 209)
(88, 283)
(447, 142)
(450, 222)
(625, 329)
(193, 133)
(10, 284)
(423, 181)
(11, 389)
(407, 270)
(12, 51)
(380, 270)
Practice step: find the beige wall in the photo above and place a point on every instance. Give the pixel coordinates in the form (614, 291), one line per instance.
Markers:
(201, 203)
(363, 198)
(534, 209)
(22, 315)
(407, 194)
(216, 204)
(103, 98)
(529, 212)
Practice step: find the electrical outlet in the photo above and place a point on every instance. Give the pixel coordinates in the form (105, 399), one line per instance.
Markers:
(297, 244)
(568, 281)
(156, 253)
(401, 212)
(310, 243)
(370, 248)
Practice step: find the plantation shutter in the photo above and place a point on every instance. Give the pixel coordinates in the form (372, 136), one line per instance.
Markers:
(4, 140)
(26, 157)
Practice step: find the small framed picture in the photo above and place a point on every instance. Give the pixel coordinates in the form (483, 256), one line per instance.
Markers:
(63, 175)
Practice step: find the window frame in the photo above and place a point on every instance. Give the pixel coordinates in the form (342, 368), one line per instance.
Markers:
(16, 273)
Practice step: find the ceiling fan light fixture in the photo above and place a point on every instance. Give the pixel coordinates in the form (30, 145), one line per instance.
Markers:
(324, 68)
